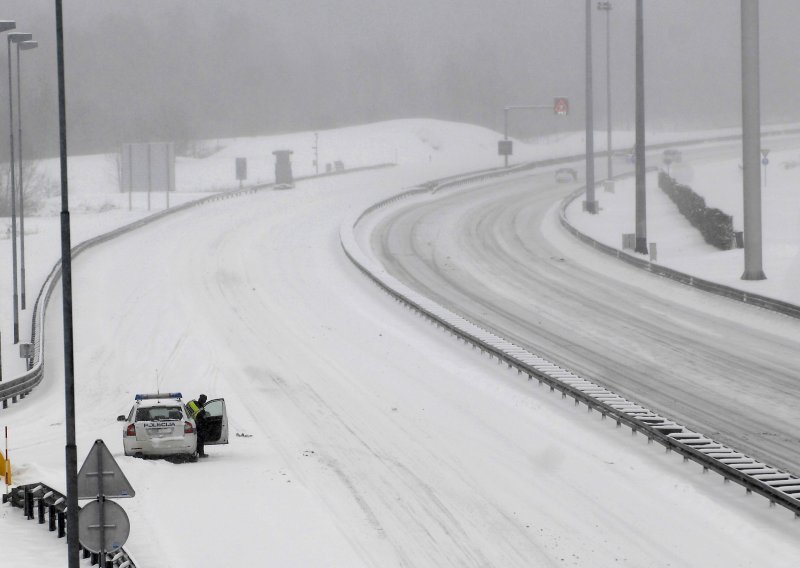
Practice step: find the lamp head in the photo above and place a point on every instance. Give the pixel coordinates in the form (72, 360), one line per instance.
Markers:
(6, 25)
(17, 37)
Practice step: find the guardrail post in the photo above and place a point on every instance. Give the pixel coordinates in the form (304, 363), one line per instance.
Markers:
(40, 507)
(61, 522)
(28, 503)
(51, 514)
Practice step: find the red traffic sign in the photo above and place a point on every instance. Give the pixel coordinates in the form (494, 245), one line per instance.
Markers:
(101, 476)
(561, 106)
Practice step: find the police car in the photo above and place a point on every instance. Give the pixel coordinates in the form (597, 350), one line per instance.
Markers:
(160, 425)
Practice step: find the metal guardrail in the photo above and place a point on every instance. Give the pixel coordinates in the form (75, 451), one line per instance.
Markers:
(642, 262)
(48, 506)
(778, 486)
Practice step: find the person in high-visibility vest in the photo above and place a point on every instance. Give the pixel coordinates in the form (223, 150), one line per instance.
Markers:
(199, 415)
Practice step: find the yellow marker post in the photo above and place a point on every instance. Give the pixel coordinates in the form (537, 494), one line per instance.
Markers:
(5, 464)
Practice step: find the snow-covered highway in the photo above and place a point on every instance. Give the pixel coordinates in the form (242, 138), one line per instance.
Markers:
(367, 436)
(496, 255)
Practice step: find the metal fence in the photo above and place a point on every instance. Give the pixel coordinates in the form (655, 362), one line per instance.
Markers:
(47, 506)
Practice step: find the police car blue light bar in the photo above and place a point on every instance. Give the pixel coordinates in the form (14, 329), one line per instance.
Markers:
(158, 395)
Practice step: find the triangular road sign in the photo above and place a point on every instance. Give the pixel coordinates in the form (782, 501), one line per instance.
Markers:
(100, 464)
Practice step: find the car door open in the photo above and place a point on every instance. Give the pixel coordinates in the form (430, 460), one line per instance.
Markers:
(216, 422)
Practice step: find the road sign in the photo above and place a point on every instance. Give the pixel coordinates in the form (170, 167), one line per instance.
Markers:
(764, 153)
(505, 147)
(561, 106)
(107, 535)
(764, 161)
(100, 475)
(241, 169)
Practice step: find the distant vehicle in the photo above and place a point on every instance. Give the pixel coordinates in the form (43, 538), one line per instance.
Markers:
(672, 156)
(566, 175)
(627, 155)
(159, 425)
(284, 186)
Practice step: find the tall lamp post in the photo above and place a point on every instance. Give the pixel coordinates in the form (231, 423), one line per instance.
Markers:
(71, 446)
(591, 204)
(606, 7)
(5, 25)
(24, 46)
(641, 173)
(14, 37)
(751, 142)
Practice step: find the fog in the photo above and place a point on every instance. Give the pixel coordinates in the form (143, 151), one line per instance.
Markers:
(145, 70)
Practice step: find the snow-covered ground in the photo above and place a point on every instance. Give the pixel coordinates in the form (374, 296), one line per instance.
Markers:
(375, 439)
(719, 181)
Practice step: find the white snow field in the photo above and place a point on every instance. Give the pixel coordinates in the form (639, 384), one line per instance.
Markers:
(361, 435)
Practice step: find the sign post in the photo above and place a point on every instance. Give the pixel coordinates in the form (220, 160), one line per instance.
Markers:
(765, 163)
(241, 170)
(560, 107)
(103, 525)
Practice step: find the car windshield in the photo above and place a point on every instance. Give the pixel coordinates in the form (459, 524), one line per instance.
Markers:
(158, 413)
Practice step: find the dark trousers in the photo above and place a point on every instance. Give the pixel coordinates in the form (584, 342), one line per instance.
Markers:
(200, 444)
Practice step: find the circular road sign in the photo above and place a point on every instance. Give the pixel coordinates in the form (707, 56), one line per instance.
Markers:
(117, 526)
(764, 161)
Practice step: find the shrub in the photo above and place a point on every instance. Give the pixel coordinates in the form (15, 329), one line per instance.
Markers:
(36, 187)
(715, 225)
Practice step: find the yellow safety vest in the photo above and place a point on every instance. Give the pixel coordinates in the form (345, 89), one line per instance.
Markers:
(194, 408)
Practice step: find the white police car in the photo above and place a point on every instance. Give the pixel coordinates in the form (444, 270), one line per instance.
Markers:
(160, 425)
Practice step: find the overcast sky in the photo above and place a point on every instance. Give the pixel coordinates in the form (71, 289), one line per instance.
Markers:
(140, 70)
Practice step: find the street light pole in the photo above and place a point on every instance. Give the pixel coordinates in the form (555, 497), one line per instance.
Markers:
(641, 179)
(5, 25)
(591, 204)
(751, 142)
(606, 7)
(70, 447)
(23, 45)
(13, 38)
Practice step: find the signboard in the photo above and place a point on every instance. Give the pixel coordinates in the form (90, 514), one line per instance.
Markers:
(241, 169)
(107, 535)
(764, 161)
(100, 475)
(561, 106)
(147, 167)
(764, 153)
(505, 147)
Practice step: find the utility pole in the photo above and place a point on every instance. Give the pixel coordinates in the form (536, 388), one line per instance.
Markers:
(641, 179)
(751, 142)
